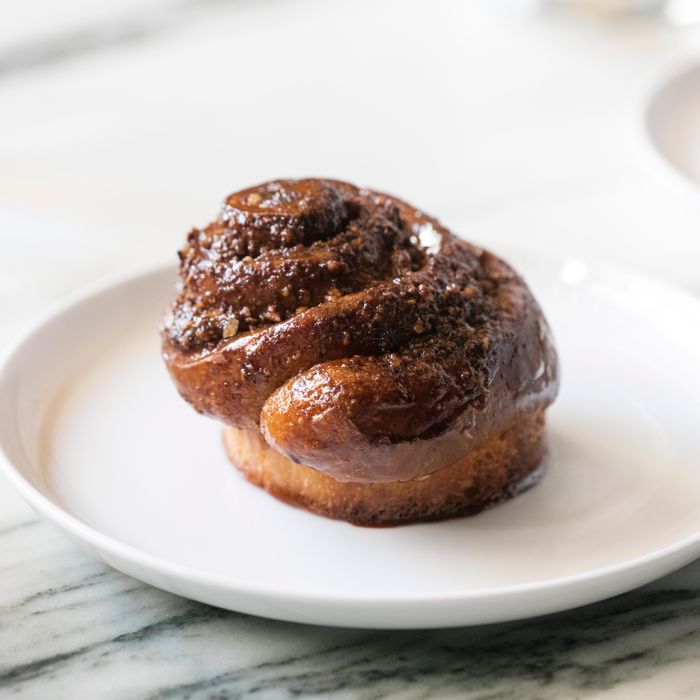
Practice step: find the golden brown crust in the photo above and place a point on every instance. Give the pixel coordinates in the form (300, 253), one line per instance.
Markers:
(505, 464)
(355, 333)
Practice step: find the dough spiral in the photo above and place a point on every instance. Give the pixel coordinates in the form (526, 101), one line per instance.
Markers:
(354, 332)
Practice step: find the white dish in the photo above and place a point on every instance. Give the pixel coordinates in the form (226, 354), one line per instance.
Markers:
(96, 439)
(671, 125)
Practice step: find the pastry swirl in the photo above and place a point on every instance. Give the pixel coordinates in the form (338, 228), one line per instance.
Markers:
(354, 333)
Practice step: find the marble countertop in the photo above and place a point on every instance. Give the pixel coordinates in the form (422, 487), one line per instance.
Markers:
(123, 124)
(73, 628)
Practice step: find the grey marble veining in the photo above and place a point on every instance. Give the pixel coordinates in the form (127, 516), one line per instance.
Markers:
(68, 622)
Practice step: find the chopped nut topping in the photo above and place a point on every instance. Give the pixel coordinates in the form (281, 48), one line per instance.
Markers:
(271, 314)
(231, 328)
(254, 199)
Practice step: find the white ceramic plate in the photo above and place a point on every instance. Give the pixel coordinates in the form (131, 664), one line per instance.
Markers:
(96, 438)
(671, 125)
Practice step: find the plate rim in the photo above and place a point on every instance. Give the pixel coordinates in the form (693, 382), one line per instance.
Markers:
(652, 155)
(103, 543)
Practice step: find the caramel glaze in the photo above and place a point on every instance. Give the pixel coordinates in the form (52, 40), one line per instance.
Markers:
(356, 333)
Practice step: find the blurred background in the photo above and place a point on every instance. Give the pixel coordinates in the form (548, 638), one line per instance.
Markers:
(124, 123)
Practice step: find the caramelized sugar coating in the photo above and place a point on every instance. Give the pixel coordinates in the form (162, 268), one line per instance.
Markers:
(357, 334)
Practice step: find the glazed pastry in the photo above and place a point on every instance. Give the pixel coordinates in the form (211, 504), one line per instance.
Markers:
(367, 364)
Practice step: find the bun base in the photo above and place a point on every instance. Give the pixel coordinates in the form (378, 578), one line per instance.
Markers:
(501, 467)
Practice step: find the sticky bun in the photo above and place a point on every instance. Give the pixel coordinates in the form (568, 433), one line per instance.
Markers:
(366, 363)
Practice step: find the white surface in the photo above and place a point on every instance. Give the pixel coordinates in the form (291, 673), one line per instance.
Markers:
(92, 421)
